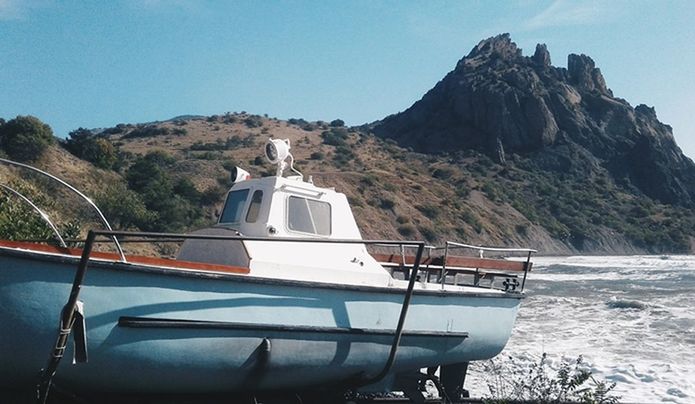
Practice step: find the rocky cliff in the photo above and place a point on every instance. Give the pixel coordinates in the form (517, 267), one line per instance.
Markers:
(566, 120)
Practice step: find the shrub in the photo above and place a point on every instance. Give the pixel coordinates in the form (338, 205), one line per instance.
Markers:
(25, 138)
(337, 123)
(535, 384)
(335, 137)
(149, 177)
(428, 233)
(443, 173)
(98, 150)
(403, 219)
(386, 203)
(146, 131)
(18, 221)
(297, 121)
(317, 156)
(253, 121)
(369, 180)
(470, 218)
(406, 230)
(124, 209)
(428, 210)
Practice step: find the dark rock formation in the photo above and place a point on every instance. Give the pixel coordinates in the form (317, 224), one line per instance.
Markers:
(498, 101)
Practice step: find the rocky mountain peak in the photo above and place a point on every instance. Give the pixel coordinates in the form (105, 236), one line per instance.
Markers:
(541, 57)
(499, 102)
(584, 74)
(500, 46)
(646, 111)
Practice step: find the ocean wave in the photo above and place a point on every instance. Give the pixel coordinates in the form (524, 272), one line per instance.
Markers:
(631, 317)
(615, 303)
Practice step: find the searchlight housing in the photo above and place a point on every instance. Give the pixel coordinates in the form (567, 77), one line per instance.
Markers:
(277, 151)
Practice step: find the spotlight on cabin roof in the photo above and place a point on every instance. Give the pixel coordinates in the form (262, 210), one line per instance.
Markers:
(276, 150)
(239, 174)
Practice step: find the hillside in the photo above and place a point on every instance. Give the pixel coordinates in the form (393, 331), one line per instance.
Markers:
(505, 150)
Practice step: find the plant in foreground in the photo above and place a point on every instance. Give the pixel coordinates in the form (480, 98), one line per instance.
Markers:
(511, 382)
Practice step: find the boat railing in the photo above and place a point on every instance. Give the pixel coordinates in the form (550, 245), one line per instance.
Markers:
(91, 203)
(72, 311)
(453, 269)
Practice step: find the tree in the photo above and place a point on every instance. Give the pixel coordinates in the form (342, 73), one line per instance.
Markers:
(25, 138)
(98, 150)
(170, 199)
(124, 208)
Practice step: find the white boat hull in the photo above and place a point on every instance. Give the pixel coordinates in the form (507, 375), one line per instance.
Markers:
(161, 330)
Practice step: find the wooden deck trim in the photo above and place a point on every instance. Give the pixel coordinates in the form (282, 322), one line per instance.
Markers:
(461, 262)
(132, 259)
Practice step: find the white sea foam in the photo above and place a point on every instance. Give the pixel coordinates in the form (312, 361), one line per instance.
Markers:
(632, 319)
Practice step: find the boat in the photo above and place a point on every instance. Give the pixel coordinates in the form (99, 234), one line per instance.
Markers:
(282, 294)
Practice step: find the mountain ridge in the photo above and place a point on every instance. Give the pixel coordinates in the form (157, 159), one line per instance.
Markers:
(504, 150)
(498, 101)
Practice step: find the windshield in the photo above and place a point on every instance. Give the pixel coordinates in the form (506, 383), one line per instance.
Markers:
(234, 206)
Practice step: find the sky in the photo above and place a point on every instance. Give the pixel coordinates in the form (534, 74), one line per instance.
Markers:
(99, 63)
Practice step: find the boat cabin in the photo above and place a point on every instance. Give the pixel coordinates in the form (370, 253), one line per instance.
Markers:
(287, 207)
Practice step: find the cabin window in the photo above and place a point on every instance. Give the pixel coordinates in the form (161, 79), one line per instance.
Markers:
(254, 207)
(234, 206)
(309, 216)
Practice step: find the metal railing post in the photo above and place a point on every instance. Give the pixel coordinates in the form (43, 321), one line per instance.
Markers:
(401, 320)
(526, 268)
(442, 279)
(67, 320)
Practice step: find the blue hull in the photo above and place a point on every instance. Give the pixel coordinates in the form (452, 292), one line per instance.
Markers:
(162, 330)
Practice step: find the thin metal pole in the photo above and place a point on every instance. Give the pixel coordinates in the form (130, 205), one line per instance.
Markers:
(401, 321)
(443, 273)
(526, 268)
(67, 319)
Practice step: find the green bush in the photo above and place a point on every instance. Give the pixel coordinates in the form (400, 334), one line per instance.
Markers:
(125, 209)
(429, 210)
(98, 150)
(386, 203)
(443, 173)
(317, 156)
(171, 200)
(25, 138)
(428, 233)
(406, 230)
(143, 131)
(335, 136)
(18, 220)
(253, 121)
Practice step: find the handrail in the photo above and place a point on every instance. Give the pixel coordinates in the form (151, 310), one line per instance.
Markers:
(497, 249)
(43, 214)
(68, 314)
(75, 190)
(480, 249)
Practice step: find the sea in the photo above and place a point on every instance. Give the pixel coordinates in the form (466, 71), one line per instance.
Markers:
(631, 318)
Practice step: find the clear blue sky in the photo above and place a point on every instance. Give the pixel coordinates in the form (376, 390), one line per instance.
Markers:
(99, 63)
